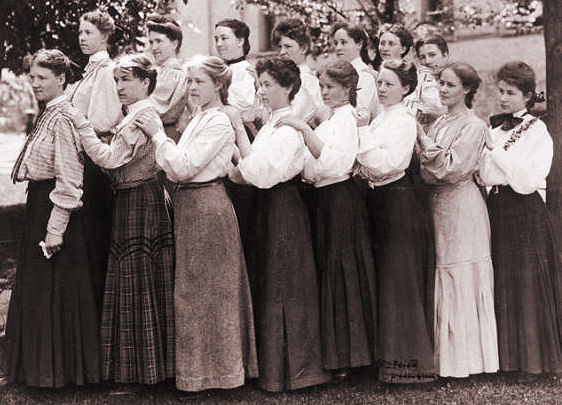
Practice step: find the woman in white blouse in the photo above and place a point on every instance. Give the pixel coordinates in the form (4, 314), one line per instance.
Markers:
(215, 342)
(341, 234)
(400, 236)
(527, 269)
(281, 259)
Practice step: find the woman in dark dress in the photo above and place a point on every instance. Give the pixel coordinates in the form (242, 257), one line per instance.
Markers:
(525, 255)
(52, 331)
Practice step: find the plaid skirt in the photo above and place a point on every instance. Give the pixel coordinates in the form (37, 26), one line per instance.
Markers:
(137, 330)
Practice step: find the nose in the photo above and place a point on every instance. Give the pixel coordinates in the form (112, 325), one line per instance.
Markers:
(283, 52)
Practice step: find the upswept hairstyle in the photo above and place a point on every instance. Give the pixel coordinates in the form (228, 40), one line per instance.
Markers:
(166, 25)
(217, 70)
(343, 73)
(406, 72)
(240, 30)
(283, 70)
(437, 40)
(358, 34)
(406, 40)
(54, 60)
(141, 66)
(101, 20)
(522, 76)
(468, 77)
(292, 28)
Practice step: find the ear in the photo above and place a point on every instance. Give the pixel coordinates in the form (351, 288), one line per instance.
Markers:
(528, 97)
(61, 79)
(146, 83)
(405, 89)
(240, 43)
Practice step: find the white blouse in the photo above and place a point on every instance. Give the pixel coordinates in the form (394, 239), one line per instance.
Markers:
(525, 164)
(277, 155)
(308, 102)
(367, 98)
(425, 97)
(242, 90)
(386, 146)
(341, 142)
(203, 152)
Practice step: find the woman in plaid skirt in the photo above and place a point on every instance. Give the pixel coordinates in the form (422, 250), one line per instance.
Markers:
(137, 328)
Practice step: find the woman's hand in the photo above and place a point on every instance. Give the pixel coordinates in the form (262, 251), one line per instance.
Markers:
(78, 119)
(234, 116)
(53, 244)
(362, 117)
(149, 125)
(291, 121)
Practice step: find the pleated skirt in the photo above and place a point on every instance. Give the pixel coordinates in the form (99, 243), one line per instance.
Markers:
(52, 334)
(528, 282)
(404, 263)
(284, 285)
(215, 336)
(347, 272)
(137, 329)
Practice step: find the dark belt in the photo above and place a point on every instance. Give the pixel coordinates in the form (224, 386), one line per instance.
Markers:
(215, 182)
(132, 184)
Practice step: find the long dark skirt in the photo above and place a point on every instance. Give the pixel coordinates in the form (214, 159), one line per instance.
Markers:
(96, 217)
(285, 291)
(52, 328)
(527, 282)
(137, 330)
(215, 336)
(345, 261)
(404, 267)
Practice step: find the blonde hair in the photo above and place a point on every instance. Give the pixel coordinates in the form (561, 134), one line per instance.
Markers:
(217, 70)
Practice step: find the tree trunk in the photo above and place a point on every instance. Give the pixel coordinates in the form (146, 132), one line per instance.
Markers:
(553, 43)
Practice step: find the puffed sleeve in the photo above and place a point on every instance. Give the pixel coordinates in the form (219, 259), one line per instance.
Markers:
(449, 164)
(169, 95)
(242, 92)
(526, 167)
(104, 108)
(366, 92)
(69, 172)
(303, 105)
(181, 164)
(269, 165)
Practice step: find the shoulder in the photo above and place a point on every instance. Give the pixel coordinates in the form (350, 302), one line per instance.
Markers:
(472, 122)
(218, 118)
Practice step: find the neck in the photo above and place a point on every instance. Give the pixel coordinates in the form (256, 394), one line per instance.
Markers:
(235, 60)
(215, 102)
(457, 108)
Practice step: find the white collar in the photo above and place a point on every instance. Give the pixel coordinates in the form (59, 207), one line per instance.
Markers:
(358, 63)
(57, 100)
(98, 56)
(281, 112)
(520, 113)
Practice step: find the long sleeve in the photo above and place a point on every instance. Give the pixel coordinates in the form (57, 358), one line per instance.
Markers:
(242, 91)
(303, 105)
(169, 97)
(445, 162)
(104, 107)
(69, 172)
(366, 93)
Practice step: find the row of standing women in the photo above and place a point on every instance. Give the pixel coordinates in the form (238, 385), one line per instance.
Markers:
(385, 260)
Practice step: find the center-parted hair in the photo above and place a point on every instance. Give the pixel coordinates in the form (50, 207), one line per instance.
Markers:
(436, 40)
(292, 28)
(166, 25)
(522, 76)
(54, 60)
(358, 34)
(406, 72)
(468, 77)
(102, 20)
(141, 66)
(343, 73)
(217, 70)
(240, 30)
(404, 36)
(283, 70)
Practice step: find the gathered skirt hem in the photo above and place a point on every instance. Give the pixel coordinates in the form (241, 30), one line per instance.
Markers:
(296, 384)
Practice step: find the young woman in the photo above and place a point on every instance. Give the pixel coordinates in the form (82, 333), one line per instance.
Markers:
(465, 324)
(341, 234)
(52, 328)
(281, 256)
(292, 38)
(215, 341)
(527, 268)
(395, 42)
(95, 96)
(137, 329)
(400, 234)
(350, 44)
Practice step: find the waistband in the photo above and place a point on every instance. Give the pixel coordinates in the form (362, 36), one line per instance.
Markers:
(215, 182)
(132, 184)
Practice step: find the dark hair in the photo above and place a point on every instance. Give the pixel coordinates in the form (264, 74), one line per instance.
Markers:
(343, 73)
(141, 66)
(437, 40)
(358, 34)
(54, 60)
(166, 25)
(102, 20)
(468, 77)
(283, 70)
(217, 70)
(292, 28)
(406, 72)
(522, 76)
(405, 37)
(240, 30)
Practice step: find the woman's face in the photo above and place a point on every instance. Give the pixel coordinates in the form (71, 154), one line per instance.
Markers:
(390, 46)
(451, 90)
(273, 95)
(333, 93)
(202, 88)
(90, 38)
(130, 89)
(46, 85)
(511, 98)
(389, 88)
(431, 56)
(228, 46)
(161, 47)
(291, 49)
(346, 48)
